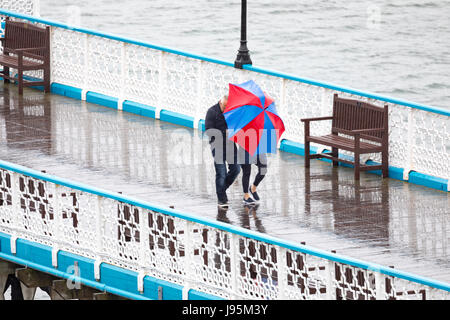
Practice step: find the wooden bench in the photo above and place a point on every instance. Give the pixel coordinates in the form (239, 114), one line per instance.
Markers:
(355, 120)
(25, 47)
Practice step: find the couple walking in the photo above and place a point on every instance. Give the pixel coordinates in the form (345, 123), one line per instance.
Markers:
(229, 158)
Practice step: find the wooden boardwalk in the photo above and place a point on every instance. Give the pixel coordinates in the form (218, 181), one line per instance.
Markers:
(379, 220)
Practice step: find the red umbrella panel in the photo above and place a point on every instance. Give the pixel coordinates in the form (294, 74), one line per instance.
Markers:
(252, 118)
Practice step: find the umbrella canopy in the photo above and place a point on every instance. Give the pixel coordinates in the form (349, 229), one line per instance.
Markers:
(252, 119)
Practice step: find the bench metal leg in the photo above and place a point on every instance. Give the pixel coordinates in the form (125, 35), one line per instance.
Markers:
(47, 80)
(20, 80)
(385, 164)
(357, 156)
(307, 145)
(6, 73)
(357, 171)
(335, 153)
(307, 149)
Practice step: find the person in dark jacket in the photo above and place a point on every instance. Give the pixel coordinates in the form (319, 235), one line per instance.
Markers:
(224, 151)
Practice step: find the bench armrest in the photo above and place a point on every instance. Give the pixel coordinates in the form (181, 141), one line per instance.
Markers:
(316, 119)
(307, 123)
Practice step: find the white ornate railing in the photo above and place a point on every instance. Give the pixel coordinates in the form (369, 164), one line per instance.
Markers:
(186, 83)
(198, 253)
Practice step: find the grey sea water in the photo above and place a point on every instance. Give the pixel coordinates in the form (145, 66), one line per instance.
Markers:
(393, 48)
(397, 48)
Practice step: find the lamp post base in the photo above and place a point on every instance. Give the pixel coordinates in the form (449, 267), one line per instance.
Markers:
(243, 56)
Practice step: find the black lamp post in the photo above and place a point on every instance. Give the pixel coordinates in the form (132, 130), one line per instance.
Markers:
(243, 56)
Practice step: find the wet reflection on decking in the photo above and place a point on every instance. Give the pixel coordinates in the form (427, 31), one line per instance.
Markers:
(380, 220)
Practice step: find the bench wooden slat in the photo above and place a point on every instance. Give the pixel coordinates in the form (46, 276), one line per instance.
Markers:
(345, 143)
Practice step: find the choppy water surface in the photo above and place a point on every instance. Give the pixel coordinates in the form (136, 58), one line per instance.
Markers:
(394, 48)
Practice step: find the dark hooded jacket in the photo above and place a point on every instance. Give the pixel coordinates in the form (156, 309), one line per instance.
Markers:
(215, 124)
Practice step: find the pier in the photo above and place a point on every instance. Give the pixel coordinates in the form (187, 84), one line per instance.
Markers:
(107, 187)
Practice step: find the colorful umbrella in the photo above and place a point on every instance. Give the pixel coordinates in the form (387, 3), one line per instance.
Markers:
(252, 119)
